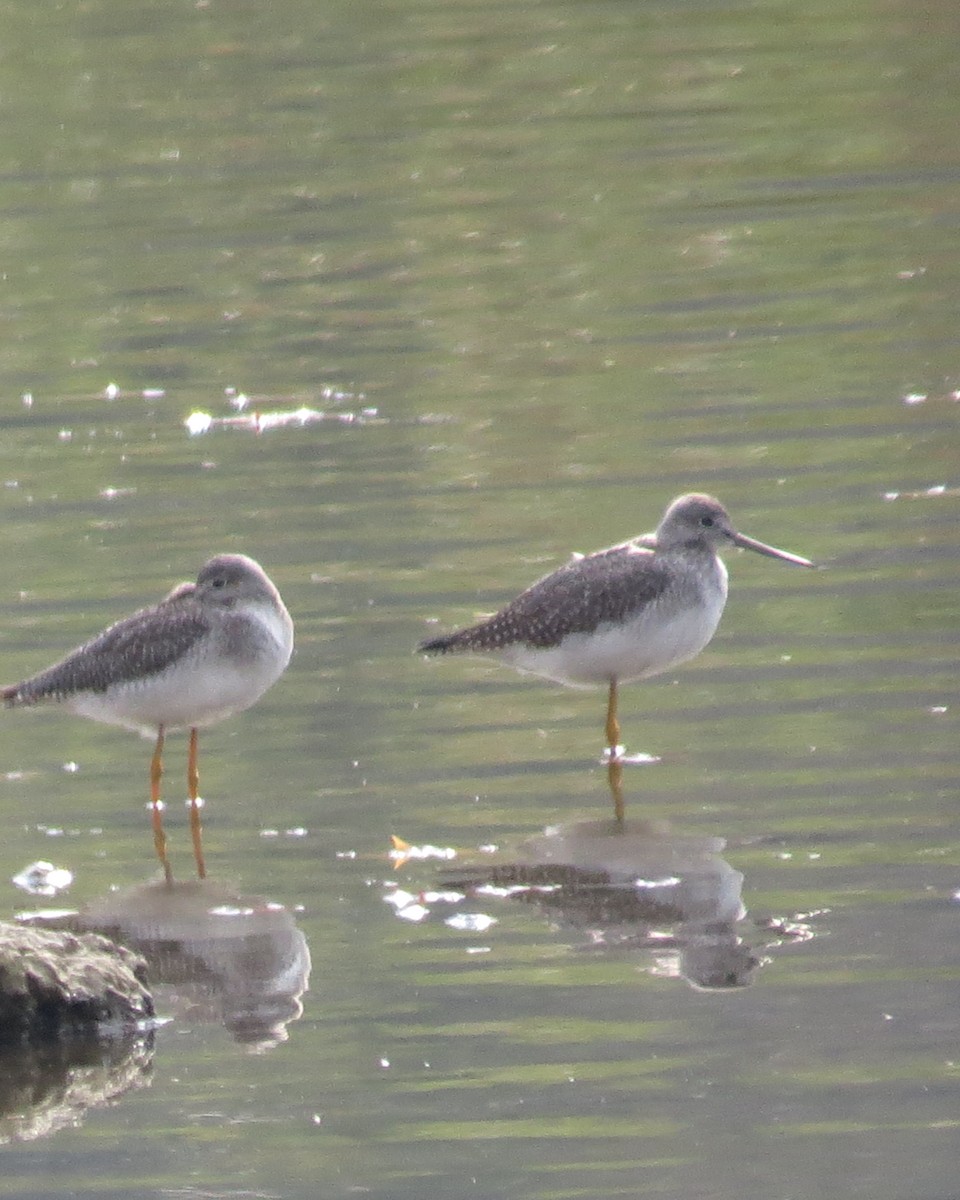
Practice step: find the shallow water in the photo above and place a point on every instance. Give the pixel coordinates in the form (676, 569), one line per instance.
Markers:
(542, 269)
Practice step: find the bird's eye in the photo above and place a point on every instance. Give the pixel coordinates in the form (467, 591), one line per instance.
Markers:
(218, 582)
(707, 522)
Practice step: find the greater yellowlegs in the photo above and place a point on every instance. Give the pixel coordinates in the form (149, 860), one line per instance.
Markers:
(627, 612)
(208, 650)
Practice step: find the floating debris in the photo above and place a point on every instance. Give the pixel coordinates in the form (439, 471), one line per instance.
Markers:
(934, 492)
(113, 391)
(413, 912)
(471, 922)
(43, 879)
(417, 907)
(403, 852)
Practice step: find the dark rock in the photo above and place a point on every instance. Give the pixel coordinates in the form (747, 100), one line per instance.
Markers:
(55, 985)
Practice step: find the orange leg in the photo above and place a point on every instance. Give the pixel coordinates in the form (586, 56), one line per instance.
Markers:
(193, 785)
(613, 725)
(156, 807)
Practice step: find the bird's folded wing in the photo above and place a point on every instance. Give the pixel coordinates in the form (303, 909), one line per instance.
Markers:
(140, 646)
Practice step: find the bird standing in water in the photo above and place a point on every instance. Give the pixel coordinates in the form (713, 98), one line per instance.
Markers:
(628, 612)
(206, 651)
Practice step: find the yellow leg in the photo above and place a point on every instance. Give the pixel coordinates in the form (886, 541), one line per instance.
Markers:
(193, 786)
(613, 725)
(156, 807)
(615, 779)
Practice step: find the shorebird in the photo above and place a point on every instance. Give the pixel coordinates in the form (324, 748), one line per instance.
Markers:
(627, 612)
(206, 651)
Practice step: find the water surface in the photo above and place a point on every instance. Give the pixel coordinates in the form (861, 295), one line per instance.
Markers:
(559, 263)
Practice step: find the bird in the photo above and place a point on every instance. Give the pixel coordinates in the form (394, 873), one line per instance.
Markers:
(627, 612)
(208, 650)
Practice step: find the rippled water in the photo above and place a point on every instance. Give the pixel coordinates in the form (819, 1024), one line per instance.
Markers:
(541, 269)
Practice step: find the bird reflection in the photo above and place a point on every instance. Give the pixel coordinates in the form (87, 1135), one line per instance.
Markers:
(633, 885)
(216, 955)
(615, 782)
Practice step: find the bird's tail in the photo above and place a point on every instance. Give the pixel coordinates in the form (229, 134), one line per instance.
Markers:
(439, 645)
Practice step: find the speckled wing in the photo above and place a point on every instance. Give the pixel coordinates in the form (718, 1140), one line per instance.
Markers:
(137, 647)
(609, 585)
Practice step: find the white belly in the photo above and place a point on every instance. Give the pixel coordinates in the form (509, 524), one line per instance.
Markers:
(647, 645)
(176, 699)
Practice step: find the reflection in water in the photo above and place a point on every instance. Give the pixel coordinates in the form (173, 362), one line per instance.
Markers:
(615, 781)
(219, 956)
(633, 885)
(43, 1089)
(216, 955)
(623, 884)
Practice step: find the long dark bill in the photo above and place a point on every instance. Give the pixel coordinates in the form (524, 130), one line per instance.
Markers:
(741, 539)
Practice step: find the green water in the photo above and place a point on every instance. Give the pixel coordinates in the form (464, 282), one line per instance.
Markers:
(561, 262)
